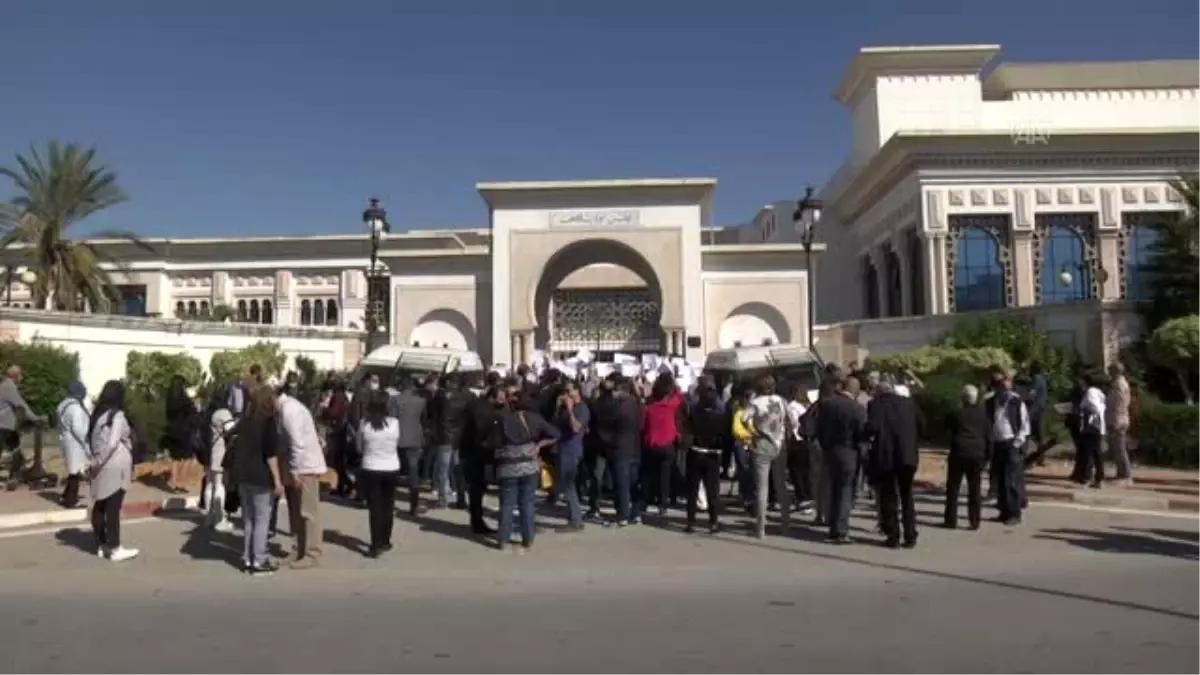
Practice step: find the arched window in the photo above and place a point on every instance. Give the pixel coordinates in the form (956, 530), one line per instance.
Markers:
(305, 313)
(318, 312)
(180, 309)
(205, 310)
(192, 310)
(895, 287)
(1140, 237)
(870, 280)
(978, 274)
(331, 312)
(254, 315)
(241, 310)
(916, 273)
(1065, 274)
(268, 312)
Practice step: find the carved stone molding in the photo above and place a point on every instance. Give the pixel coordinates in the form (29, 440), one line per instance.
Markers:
(1084, 226)
(996, 226)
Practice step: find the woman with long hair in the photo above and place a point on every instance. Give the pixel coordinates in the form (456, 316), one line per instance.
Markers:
(378, 439)
(181, 425)
(110, 464)
(256, 472)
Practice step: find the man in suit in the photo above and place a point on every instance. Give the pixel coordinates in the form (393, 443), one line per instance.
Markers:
(895, 426)
(840, 424)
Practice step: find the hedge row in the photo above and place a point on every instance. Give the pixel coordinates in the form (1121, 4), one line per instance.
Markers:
(1167, 434)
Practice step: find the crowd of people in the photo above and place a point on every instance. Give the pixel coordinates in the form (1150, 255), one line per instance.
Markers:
(610, 449)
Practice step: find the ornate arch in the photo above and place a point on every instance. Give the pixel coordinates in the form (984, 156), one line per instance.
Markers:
(998, 228)
(1083, 225)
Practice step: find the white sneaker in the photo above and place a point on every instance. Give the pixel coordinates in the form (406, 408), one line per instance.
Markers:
(223, 526)
(101, 552)
(121, 553)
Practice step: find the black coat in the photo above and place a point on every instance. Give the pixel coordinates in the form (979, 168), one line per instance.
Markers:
(895, 425)
(970, 433)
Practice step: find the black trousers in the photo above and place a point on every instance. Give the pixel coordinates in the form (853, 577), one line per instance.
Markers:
(704, 468)
(970, 468)
(70, 495)
(1091, 458)
(379, 488)
(658, 465)
(475, 473)
(597, 473)
(339, 447)
(106, 520)
(799, 465)
(893, 486)
(1008, 467)
(841, 465)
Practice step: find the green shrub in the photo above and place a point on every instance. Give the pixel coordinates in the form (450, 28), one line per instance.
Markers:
(971, 364)
(1175, 345)
(149, 416)
(1166, 434)
(229, 366)
(941, 395)
(48, 370)
(151, 372)
(1021, 339)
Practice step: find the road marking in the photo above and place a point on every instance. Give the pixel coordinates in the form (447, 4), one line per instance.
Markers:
(1116, 510)
(52, 530)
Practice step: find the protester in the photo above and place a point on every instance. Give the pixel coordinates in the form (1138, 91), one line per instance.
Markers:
(378, 439)
(895, 426)
(743, 440)
(408, 408)
(336, 414)
(219, 439)
(257, 472)
(767, 417)
(970, 447)
(600, 445)
(1117, 421)
(447, 416)
(572, 418)
(477, 453)
(73, 417)
(626, 422)
(305, 463)
(111, 441)
(840, 424)
(520, 434)
(1010, 429)
(660, 436)
(708, 433)
(1092, 415)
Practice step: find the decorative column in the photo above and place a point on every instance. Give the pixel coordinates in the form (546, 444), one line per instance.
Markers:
(1025, 282)
(934, 232)
(284, 292)
(878, 257)
(1108, 244)
(352, 296)
(222, 289)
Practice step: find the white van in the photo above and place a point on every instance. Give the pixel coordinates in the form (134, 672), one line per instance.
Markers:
(790, 365)
(393, 362)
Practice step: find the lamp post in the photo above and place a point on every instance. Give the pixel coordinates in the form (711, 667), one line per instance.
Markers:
(805, 219)
(375, 219)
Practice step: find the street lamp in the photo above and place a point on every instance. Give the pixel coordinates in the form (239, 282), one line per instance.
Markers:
(805, 219)
(375, 219)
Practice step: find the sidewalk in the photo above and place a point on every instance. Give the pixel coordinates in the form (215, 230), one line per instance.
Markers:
(32, 508)
(1154, 489)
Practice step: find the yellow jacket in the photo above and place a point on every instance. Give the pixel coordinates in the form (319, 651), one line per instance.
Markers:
(741, 432)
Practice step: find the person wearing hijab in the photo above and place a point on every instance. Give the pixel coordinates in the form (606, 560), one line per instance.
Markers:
(111, 439)
(72, 415)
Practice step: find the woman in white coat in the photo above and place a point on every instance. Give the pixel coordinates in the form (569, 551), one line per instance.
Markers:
(73, 414)
(111, 440)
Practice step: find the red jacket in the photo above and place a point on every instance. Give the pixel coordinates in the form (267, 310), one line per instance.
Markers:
(660, 422)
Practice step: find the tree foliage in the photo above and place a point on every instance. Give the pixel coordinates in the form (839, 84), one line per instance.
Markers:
(1172, 270)
(1175, 345)
(151, 372)
(229, 366)
(48, 370)
(55, 190)
(972, 363)
(1020, 339)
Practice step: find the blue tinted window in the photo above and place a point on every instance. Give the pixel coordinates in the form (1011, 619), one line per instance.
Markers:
(1138, 249)
(1065, 274)
(978, 274)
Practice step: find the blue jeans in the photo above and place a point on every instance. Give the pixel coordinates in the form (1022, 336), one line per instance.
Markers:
(518, 493)
(411, 458)
(256, 522)
(625, 478)
(566, 482)
(447, 470)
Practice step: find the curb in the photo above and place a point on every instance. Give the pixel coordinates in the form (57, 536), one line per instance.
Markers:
(1090, 498)
(174, 503)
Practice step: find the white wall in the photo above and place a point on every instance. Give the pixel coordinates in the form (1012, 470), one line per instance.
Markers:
(103, 349)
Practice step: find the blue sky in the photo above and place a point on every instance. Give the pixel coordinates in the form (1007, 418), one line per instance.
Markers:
(239, 117)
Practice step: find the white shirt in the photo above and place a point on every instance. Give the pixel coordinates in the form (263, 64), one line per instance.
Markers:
(768, 415)
(1094, 403)
(222, 421)
(305, 456)
(379, 446)
(796, 410)
(902, 390)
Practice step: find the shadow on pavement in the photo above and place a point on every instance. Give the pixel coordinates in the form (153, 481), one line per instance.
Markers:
(205, 543)
(78, 538)
(346, 541)
(1130, 541)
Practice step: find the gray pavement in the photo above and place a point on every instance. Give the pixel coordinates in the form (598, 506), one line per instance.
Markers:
(1070, 591)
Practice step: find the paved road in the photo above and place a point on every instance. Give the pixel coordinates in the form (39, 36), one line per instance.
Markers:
(1071, 591)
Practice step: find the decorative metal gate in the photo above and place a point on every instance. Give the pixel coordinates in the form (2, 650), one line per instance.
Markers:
(605, 320)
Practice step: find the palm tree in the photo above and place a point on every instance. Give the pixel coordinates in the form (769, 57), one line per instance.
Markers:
(1173, 267)
(54, 191)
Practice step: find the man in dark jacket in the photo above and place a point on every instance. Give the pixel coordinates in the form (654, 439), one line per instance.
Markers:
(707, 432)
(840, 424)
(970, 448)
(626, 451)
(600, 445)
(895, 425)
(476, 449)
(447, 416)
